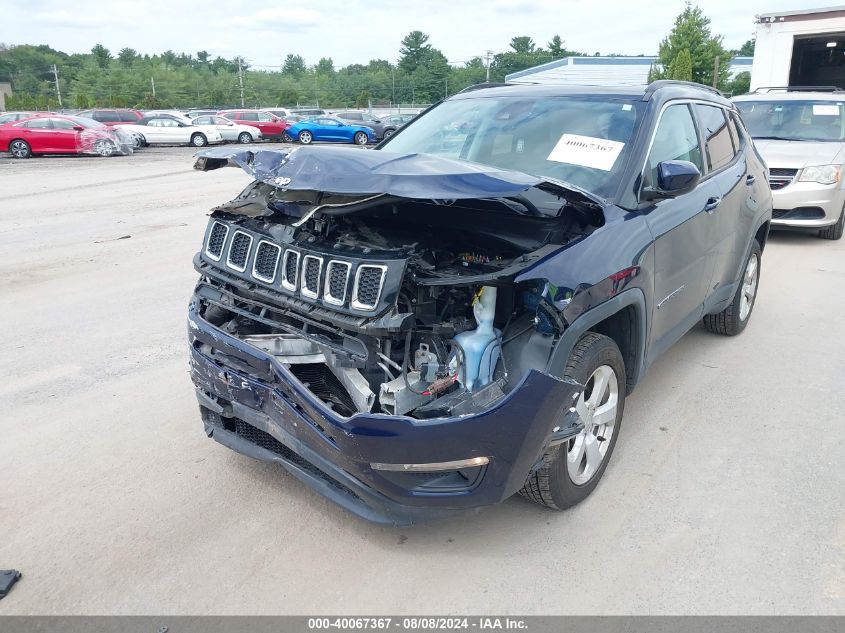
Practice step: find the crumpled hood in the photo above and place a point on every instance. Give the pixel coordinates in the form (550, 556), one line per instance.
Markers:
(797, 154)
(354, 171)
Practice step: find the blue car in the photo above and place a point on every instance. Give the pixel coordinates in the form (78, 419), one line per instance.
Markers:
(330, 129)
(411, 333)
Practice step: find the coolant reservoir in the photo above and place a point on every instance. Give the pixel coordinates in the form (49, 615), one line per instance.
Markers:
(481, 345)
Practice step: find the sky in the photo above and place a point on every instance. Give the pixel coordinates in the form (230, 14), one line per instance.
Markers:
(350, 32)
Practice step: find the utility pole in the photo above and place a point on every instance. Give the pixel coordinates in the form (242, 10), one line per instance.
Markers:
(393, 78)
(487, 56)
(447, 88)
(241, 80)
(716, 72)
(58, 90)
(153, 84)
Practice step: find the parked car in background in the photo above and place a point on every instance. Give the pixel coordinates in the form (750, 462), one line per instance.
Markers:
(397, 119)
(174, 113)
(381, 128)
(448, 332)
(61, 134)
(801, 134)
(169, 130)
(11, 117)
(192, 114)
(112, 116)
(271, 126)
(229, 130)
(282, 113)
(330, 129)
(307, 112)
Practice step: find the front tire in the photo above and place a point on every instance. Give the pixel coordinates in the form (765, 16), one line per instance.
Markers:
(244, 138)
(733, 319)
(104, 148)
(20, 149)
(286, 138)
(570, 471)
(199, 140)
(834, 231)
(388, 132)
(360, 138)
(305, 137)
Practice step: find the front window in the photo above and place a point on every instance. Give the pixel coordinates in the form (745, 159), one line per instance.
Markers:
(582, 140)
(805, 120)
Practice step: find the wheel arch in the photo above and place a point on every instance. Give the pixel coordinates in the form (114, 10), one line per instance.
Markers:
(762, 234)
(621, 318)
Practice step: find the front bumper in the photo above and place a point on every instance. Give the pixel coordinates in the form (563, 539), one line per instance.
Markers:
(251, 403)
(807, 205)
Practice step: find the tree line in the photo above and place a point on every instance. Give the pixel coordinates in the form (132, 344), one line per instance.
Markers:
(422, 73)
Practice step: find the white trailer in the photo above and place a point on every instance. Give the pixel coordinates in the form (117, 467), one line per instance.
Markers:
(800, 48)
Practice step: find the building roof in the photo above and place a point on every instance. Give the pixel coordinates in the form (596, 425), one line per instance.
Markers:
(602, 70)
(770, 17)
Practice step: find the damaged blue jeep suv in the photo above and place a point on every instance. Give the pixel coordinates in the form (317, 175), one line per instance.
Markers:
(459, 314)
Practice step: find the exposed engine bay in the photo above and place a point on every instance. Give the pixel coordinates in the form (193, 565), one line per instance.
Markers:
(386, 304)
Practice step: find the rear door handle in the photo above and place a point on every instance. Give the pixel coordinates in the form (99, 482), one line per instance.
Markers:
(712, 203)
(749, 180)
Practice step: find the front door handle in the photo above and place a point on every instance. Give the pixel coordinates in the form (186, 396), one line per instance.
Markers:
(749, 180)
(712, 203)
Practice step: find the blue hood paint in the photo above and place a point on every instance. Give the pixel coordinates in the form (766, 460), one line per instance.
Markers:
(353, 171)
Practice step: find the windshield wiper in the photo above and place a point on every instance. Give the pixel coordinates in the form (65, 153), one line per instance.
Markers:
(776, 138)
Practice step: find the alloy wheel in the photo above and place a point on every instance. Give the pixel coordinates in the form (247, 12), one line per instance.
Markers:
(749, 286)
(597, 407)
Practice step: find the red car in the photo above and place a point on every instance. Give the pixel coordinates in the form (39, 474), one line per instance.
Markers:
(270, 125)
(60, 134)
(112, 116)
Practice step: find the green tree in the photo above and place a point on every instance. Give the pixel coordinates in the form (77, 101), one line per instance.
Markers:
(692, 32)
(746, 50)
(681, 67)
(523, 44)
(325, 66)
(102, 55)
(126, 56)
(414, 47)
(740, 84)
(556, 48)
(294, 65)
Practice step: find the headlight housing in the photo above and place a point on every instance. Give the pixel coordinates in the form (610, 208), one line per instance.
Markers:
(822, 174)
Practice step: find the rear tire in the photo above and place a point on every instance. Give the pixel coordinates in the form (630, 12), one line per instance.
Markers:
(834, 231)
(388, 132)
(733, 319)
(360, 138)
(571, 471)
(199, 140)
(19, 148)
(305, 137)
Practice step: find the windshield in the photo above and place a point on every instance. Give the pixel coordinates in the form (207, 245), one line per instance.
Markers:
(579, 140)
(794, 120)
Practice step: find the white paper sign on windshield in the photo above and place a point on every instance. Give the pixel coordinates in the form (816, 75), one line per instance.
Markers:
(587, 151)
(825, 110)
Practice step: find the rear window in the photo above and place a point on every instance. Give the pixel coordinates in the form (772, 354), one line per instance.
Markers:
(127, 117)
(248, 116)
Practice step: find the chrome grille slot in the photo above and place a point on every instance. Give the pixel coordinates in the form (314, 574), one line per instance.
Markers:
(337, 278)
(266, 261)
(216, 241)
(369, 279)
(290, 269)
(311, 270)
(781, 177)
(239, 251)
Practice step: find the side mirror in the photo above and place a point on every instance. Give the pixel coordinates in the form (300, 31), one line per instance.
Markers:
(78, 128)
(674, 178)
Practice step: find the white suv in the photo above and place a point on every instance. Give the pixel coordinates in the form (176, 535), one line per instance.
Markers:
(800, 132)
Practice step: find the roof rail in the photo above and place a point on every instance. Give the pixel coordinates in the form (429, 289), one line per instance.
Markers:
(667, 83)
(482, 85)
(767, 89)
